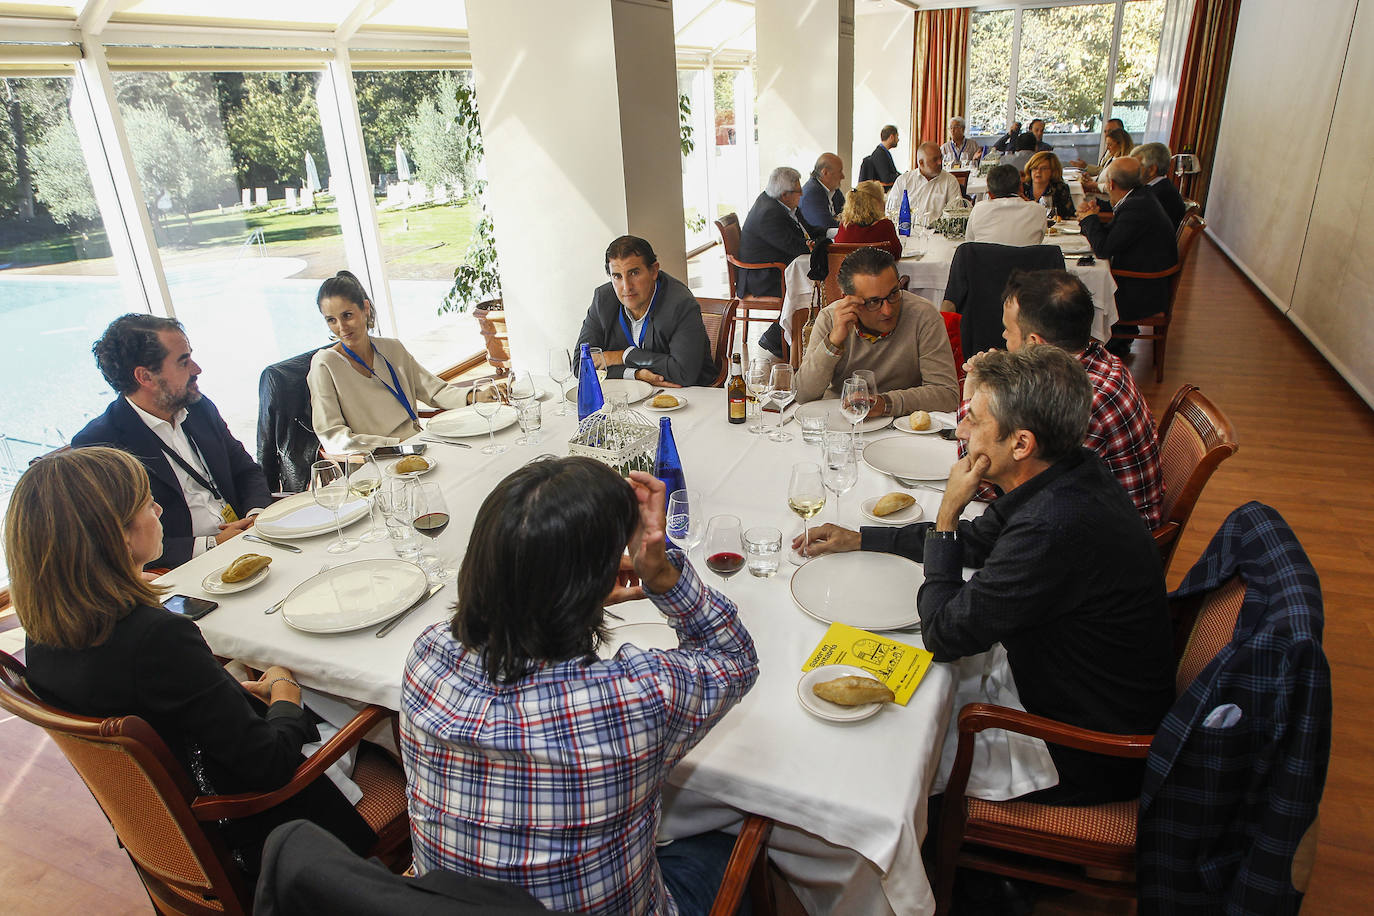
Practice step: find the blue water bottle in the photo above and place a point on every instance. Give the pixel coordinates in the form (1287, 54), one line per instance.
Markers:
(904, 217)
(667, 464)
(589, 396)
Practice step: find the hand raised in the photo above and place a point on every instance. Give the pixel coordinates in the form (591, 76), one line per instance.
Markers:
(846, 317)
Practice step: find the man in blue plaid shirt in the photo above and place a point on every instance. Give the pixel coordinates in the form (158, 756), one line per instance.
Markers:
(529, 760)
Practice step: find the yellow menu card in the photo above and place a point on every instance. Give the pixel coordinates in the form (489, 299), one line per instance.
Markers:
(896, 664)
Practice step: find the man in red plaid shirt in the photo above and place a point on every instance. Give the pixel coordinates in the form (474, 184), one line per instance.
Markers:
(1054, 307)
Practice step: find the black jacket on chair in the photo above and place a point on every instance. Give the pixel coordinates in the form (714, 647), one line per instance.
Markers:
(878, 166)
(769, 234)
(977, 276)
(287, 444)
(232, 469)
(1138, 238)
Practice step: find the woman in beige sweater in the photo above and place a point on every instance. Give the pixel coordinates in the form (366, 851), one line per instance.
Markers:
(364, 390)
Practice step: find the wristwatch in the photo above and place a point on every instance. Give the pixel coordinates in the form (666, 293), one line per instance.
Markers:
(934, 535)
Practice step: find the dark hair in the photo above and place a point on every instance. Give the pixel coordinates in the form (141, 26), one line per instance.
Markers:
(543, 555)
(867, 262)
(629, 246)
(887, 131)
(1118, 121)
(346, 286)
(129, 342)
(1026, 142)
(1041, 389)
(1035, 121)
(1004, 181)
(1054, 304)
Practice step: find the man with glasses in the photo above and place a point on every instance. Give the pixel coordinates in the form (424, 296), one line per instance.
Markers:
(881, 327)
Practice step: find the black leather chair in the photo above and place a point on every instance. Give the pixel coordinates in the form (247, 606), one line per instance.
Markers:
(287, 444)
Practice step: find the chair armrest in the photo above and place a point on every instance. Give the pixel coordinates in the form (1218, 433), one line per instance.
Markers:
(1150, 275)
(751, 847)
(244, 804)
(1166, 533)
(977, 717)
(747, 265)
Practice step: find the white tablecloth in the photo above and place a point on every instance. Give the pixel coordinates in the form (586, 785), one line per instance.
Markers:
(833, 789)
(930, 274)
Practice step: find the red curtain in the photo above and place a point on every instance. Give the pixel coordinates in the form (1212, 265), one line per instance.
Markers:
(939, 72)
(1202, 89)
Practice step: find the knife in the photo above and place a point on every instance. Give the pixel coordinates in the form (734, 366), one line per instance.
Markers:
(262, 540)
(445, 442)
(391, 624)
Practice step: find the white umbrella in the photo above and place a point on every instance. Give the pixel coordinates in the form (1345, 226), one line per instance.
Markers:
(402, 164)
(312, 174)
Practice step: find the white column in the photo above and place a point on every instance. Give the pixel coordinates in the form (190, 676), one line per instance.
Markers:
(882, 82)
(580, 125)
(806, 82)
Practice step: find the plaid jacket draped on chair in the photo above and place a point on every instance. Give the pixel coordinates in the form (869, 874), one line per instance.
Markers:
(1236, 770)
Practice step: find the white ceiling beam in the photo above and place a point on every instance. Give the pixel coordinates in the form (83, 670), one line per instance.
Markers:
(705, 11)
(726, 43)
(363, 11)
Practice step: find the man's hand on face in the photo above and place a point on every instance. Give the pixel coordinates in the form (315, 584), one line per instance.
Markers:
(964, 477)
(846, 318)
(653, 378)
(648, 547)
(970, 364)
(828, 538)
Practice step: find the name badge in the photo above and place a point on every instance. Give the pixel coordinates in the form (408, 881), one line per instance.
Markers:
(228, 514)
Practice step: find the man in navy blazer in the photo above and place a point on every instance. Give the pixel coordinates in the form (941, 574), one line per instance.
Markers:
(208, 486)
(878, 165)
(771, 233)
(822, 200)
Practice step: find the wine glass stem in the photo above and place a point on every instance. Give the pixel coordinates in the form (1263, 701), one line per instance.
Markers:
(338, 525)
(806, 537)
(491, 430)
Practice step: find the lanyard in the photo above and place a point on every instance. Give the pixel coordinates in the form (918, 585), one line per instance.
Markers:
(644, 326)
(186, 466)
(394, 387)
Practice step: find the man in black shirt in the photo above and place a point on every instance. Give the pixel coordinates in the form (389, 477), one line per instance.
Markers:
(1067, 579)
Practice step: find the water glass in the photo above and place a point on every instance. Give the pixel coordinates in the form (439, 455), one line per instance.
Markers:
(814, 419)
(763, 551)
(530, 423)
(782, 389)
(394, 499)
(685, 519)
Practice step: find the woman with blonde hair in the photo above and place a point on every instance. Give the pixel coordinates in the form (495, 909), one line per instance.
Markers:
(864, 220)
(1043, 181)
(81, 525)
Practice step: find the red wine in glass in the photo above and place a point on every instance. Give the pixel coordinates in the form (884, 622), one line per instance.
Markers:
(431, 524)
(725, 564)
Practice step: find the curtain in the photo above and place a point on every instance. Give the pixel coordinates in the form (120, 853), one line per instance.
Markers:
(1202, 89)
(1173, 42)
(939, 73)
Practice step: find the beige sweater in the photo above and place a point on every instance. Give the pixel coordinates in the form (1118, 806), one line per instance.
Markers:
(913, 365)
(352, 411)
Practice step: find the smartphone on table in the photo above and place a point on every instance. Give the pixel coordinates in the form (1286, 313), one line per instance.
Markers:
(187, 606)
(399, 451)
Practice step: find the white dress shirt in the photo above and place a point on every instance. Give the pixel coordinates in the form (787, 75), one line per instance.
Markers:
(205, 509)
(1006, 221)
(928, 196)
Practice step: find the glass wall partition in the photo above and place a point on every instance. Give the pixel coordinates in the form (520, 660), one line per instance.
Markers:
(1141, 24)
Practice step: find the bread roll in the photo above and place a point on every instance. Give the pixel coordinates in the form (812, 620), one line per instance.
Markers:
(411, 463)
(892, 502)
(852, 690)
(920, 420)
(245, 567)
(664, 401)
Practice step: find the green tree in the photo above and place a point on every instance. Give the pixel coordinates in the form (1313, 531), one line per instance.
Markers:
(64, 186)
(273, 126)
(439, 134)
(989, 71)
(190, 168)
(386, 100)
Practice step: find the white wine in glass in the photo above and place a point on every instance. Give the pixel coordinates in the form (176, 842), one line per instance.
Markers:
(364, 477)
(806, 497)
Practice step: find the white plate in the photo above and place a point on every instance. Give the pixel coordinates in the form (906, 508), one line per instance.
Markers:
(391, 468)
(911, 513)
(466, 421)
(836, 420)
(903, 425)
(824, 709)
(633, 389)
(217, 586)
(868, 590)
(299, 516)
(913, 457)
(681, 403)
(646, 635)
(1069, 227)
(353, 596)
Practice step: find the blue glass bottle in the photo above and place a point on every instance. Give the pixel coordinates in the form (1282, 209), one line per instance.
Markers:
(904, 216)
(667, 464)
(589, 396)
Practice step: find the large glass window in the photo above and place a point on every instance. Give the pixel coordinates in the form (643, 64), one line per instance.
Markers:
(1141, 24)
(989, 69)
(1062, 76)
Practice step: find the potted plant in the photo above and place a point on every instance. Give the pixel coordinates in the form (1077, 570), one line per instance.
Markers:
(477, 285)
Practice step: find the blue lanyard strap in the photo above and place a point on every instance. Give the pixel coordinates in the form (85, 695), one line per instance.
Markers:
(644, 326)
(394, 387)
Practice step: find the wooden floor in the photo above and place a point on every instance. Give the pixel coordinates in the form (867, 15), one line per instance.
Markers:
(1306, 442)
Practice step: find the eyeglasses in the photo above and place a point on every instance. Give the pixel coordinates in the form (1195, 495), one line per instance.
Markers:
(872, 305)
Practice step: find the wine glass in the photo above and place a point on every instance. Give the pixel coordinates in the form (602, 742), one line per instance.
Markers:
(781, 382)
(855, 401)
(561, 371)
(599, 361)
(488, 401)
(724, 546)
(756, 381)
(430, 519)
(329, 486)
(840, 471)
(364, 479)
(806, 497)
(684, 524)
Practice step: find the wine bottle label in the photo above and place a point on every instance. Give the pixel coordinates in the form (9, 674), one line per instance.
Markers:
(737, 408)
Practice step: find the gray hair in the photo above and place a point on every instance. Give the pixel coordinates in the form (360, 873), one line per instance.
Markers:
(1153, 156)
(961, 121)
(1125, 173)
(1004, 181)
(1039, 388)
(782, 180)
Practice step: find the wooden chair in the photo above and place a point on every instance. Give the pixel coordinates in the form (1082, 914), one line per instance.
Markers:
(159, 818)
(718, 315)
(1064, 840)
(729, 229)
(1195, 437)
(1156, 327)
(747, 872)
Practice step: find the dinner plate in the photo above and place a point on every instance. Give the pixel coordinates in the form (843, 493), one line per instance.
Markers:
(391, 468)
(633, 389)
(865, 589)
(1069, 227)
(836, 420)
(911, 513)
(912, 457)
(299, 516)
(353, 596)
(681, 403)
(824, 709)
(217, 586)
(463, 422)
(647, 635)
(903, 424)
